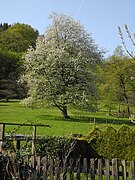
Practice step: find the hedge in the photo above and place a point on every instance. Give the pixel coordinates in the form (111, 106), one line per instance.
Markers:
(109, 144)
(113, 144)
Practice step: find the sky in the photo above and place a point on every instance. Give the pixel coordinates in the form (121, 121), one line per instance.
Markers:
(101, 18)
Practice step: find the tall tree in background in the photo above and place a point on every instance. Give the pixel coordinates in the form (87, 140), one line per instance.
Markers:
(60, 70)
(4, 26)
(14, 41)
(18, 37)
(118, 83)
(9, 71)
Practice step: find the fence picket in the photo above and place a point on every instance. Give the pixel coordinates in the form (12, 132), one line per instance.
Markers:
(38, 159)
(107, 169)
(85, 169)
(124, 171)
(78, 168)
(71, 169)
(51, 169)
(71, 173)
(115, 169)
(99, 169)
(92, 169)
(57, 169)
(44, 168)
(132, 170)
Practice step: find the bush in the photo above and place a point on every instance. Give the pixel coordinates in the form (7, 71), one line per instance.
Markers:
(113, 144)
(62, 147)
(106, 144)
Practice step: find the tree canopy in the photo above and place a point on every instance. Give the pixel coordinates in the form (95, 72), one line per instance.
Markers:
(14, 42)
(18, 37)
(60, 70)
(118, 85)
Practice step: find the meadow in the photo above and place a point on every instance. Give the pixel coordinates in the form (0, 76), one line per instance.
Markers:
(81, 122)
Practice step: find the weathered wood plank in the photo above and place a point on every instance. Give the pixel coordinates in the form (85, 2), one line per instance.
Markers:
(124, 171)
(38, 159)
(78, 168)
(44, 168)
(2, 132)
(85, 169)
(92, 169)
(99, 169)
(71, 173)
(19, 124)
(33, 146)
(115, 172)
(51, 169)
(107, 169)
(57, 169)
(132, 170)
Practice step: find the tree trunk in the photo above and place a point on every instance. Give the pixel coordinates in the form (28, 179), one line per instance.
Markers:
(125, 95)
(127, 104)
(119, 109)
(64, 112)
(63, 109)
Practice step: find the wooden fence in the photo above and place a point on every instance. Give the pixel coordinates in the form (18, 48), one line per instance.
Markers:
(87, 169)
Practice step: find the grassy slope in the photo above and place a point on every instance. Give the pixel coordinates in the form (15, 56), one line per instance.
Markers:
(80, 122)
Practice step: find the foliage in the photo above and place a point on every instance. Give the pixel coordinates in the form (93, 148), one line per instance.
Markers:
(117, 74)
(64, 148)
(9, 71)
(4, 26)
(60, 70)
(18, 37)
(114, 144)
(14, 166)
(107, 144)
(14, 41)
(52, 146)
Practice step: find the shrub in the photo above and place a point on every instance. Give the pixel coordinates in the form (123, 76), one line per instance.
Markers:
(113, 144)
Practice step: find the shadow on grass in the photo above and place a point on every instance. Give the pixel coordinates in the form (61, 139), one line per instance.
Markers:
(3, 105)
(7, 103)
(95, 120)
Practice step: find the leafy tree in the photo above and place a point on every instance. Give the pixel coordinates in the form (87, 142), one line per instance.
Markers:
(14, 42)
(118, 84)
(60, 69)
(18, 37)
(119, 52)
(4, 26)
(9, 71)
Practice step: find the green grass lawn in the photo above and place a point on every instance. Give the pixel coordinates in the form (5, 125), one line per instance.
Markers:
(81, 122)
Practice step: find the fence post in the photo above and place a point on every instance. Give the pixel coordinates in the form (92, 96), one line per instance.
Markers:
(92, 169)
(85, 169)
(57, 168)
(124, 171)
(132, 170)
(107, 169)
(38, 159)
(51, 169)
(99, 169)
(71, 173)
(44, 168)
(2, 132)
(78, 169)
(33, 146)
(115, 172)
